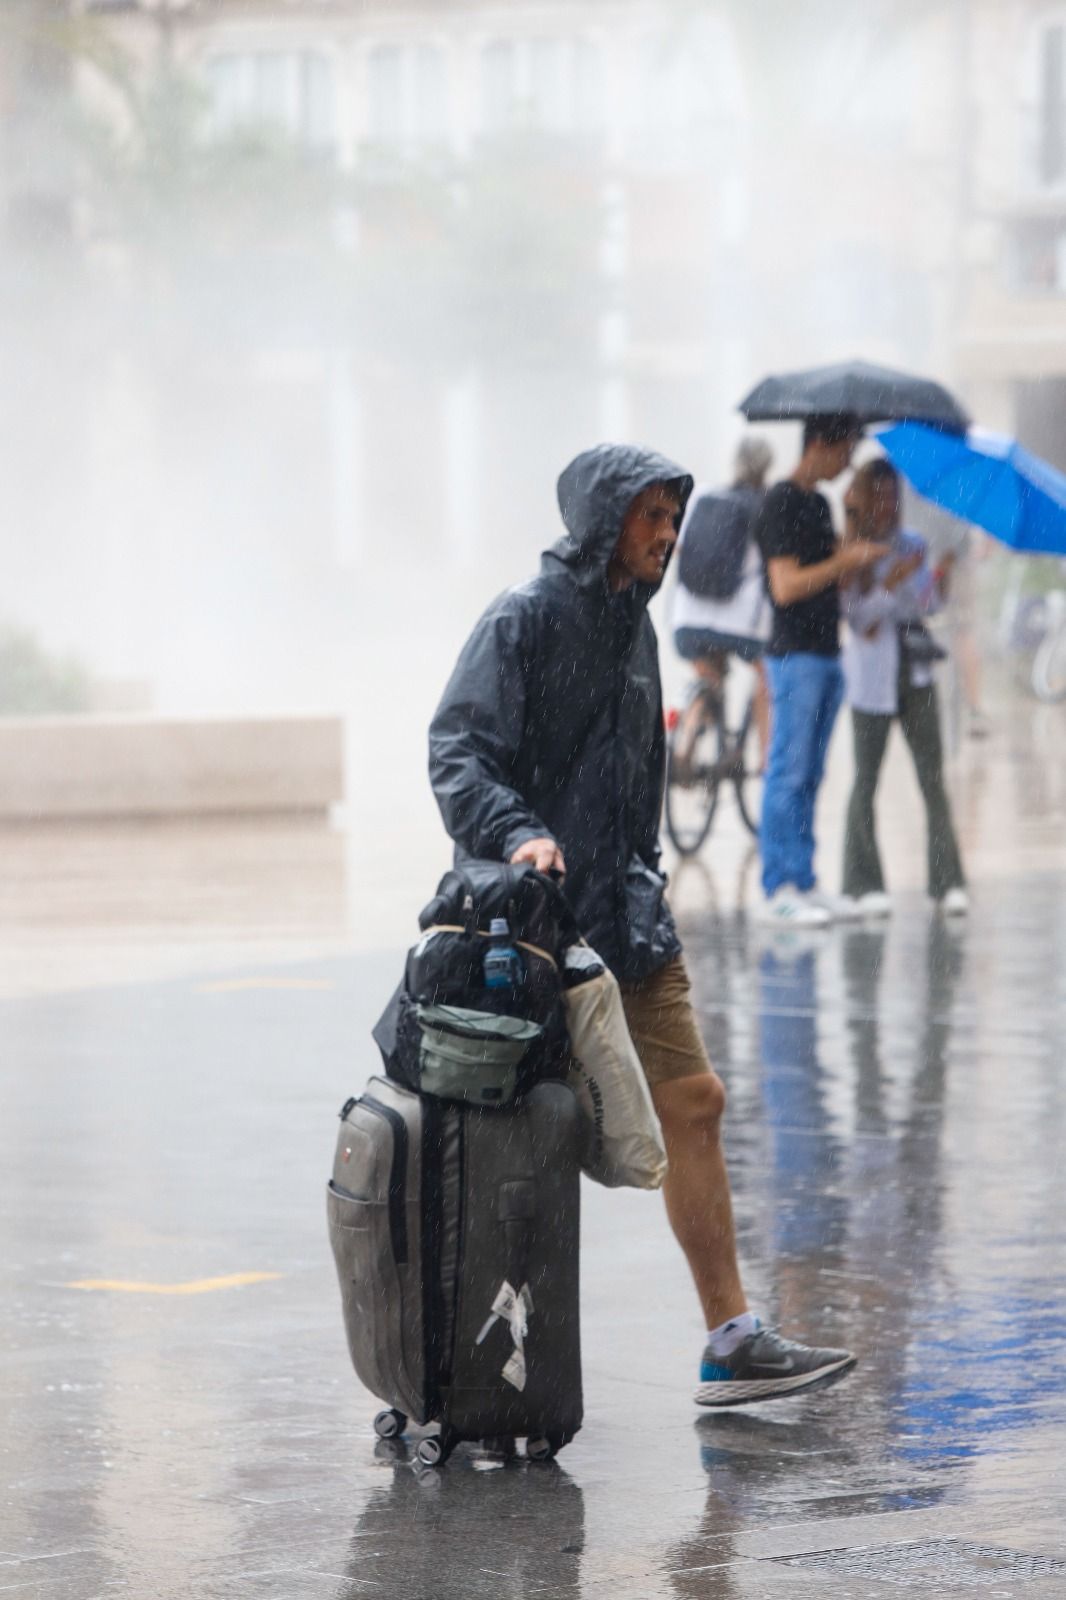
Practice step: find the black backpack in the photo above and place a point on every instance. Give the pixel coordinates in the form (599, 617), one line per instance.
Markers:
(717, 531)
(444, 1032)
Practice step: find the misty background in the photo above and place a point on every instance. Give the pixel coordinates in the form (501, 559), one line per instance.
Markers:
(303, 306)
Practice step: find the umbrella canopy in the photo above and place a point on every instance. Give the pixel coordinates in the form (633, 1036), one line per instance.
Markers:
(985, 478)
(857, 389)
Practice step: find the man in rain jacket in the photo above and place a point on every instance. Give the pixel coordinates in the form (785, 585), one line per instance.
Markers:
(548, 747)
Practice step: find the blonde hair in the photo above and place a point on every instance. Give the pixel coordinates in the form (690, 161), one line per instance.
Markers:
(880, 477)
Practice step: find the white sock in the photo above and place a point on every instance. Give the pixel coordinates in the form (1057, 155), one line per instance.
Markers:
(724, 1340)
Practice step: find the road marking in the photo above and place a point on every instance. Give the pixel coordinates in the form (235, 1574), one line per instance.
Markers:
(235, 1280)
(233, 985)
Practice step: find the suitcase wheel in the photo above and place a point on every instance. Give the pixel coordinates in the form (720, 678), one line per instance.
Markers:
(430, 1452)
(434, 1450)
(542, 1448)
(389, 1424)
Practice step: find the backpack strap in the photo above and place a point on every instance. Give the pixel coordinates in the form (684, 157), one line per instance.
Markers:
(479, 933)
(568, 925)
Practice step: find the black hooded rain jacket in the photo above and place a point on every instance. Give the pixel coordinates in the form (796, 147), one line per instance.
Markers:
(552, 723)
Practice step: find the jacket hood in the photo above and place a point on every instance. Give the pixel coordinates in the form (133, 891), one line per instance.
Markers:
(595, 492)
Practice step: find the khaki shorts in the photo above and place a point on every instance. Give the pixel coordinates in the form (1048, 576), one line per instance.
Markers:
(663, 1025)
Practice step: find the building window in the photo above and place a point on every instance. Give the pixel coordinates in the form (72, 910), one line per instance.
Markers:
(549, 90)
(430, 93)
(553, 85)
(407, 88)
(499, 85)
(1052, 105)
(289, 91)
(588, 88)
(386, 94)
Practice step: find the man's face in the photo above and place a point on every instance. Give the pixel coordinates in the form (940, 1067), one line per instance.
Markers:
(836, 458)
(649, 533)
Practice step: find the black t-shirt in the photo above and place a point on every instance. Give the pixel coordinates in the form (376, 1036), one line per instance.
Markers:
(796, 522)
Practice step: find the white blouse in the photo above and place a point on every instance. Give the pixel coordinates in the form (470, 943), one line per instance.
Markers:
(871, 646)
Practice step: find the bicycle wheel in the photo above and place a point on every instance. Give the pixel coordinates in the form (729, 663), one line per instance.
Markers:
(1049, 663)
(748, 774)
(693, 775)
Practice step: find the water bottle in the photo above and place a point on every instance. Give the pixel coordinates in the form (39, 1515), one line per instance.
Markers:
(503, 965)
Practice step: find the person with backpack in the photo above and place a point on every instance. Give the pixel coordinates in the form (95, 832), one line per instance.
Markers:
(720, 605)
(548, 747)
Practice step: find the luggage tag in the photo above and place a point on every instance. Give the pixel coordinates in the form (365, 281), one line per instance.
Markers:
(513, 1307)
(515, 1370)
(509, 1306)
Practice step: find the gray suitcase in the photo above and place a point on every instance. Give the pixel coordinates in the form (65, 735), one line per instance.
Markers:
(433, 1208)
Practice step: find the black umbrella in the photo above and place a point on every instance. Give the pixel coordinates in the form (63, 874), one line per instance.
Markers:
(856, 389)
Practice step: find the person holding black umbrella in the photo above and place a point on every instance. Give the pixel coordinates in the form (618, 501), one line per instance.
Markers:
(804, 564)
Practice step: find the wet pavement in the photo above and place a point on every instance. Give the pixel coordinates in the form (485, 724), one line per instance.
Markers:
(180, 1415)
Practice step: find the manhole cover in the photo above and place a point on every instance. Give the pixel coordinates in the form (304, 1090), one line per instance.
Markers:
(913, 1564)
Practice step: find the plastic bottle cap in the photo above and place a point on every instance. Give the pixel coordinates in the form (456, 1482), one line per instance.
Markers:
(499, 925)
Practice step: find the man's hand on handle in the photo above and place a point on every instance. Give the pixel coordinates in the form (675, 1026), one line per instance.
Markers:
(543, 854)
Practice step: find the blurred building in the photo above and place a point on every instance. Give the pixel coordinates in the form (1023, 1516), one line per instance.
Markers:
(354, 278)
(597, 128)
(36, 170)
(1011, 325)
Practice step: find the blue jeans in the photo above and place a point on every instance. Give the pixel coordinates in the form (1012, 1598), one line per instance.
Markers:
(805, 691)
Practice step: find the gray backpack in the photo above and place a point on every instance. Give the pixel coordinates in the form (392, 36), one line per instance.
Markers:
(716, 534)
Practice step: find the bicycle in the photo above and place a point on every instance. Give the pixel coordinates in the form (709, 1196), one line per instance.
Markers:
(703, 753)
(1049, 663)
(1033, 625)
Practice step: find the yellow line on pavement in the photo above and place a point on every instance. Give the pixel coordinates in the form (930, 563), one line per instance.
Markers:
(232, 985)
(235, 1280)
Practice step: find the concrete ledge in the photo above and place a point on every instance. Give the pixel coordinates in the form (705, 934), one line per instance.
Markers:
(97, 766)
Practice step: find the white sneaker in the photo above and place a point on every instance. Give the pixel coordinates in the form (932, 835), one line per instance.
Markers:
(789, 908)
(849, 908)
(956, 903)
(874, 904)
(838, 907)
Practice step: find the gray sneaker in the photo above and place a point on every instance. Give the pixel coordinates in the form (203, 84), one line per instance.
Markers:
(766, 1366)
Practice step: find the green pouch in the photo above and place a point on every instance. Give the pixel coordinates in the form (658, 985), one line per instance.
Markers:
(471, 1055)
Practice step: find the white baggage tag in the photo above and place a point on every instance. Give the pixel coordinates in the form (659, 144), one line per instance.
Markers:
(502, 1307)
(515, 1309)
(515, 1370)
(523, 1305)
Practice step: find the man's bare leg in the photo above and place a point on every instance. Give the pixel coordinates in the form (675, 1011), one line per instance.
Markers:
(710, 668)
(761, 710)
(696, 1191)
(693, 718)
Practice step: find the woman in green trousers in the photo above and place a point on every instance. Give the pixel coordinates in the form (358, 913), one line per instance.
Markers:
(888, 666)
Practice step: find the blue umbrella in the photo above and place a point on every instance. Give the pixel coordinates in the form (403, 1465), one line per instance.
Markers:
(984, 478)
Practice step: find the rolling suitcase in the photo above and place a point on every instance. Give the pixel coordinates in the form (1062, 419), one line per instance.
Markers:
(455, 1233)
